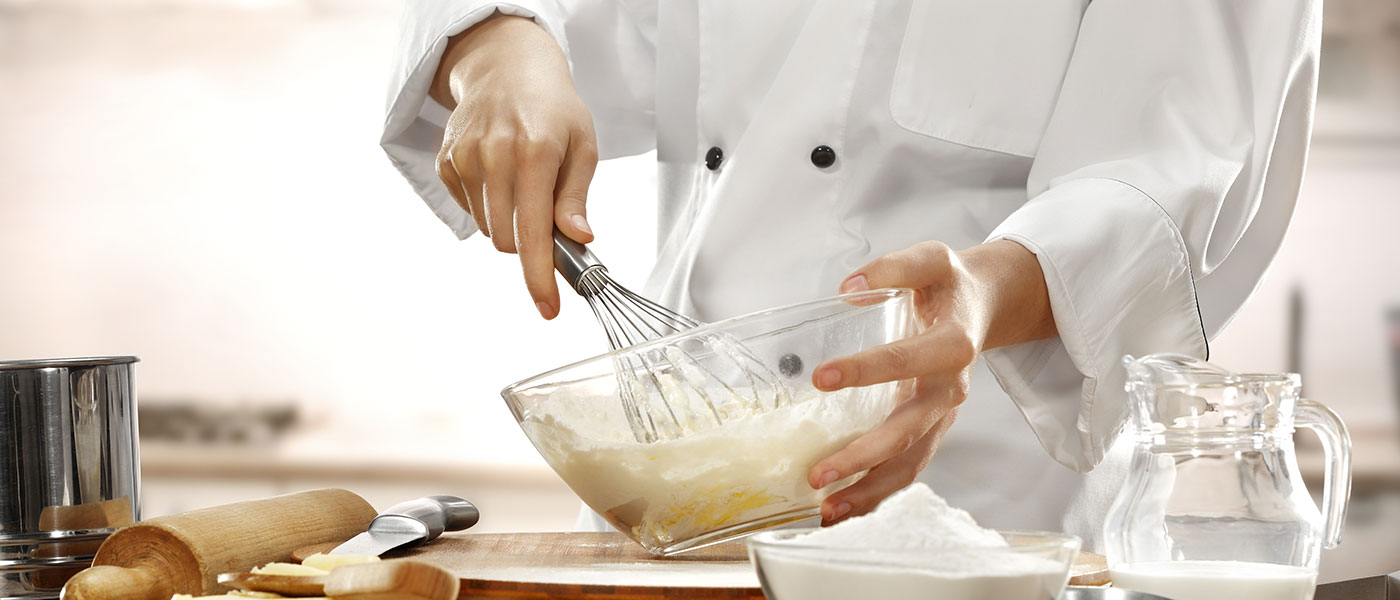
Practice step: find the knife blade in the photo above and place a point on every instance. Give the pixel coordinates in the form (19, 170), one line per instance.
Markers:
(412, 522)
(1379, 587)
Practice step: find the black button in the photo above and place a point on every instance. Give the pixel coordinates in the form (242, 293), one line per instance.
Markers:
(823, 156)
(713, 158)
(790, 365)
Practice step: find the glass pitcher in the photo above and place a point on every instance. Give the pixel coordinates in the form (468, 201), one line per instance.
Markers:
(1214, 505)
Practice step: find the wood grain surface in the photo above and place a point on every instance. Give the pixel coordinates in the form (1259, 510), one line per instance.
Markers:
(586, 566)
(598, 566)
(1089, 569)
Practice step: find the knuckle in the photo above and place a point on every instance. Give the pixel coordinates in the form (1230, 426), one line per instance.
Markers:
(854, 457)
(958, 394)
(496, 148)
(572, 196)
(587, 150)
(581, 124)
(930, 258)
(897, 359)
(962, 349)
(842, 466)
(904, 442)
(852, 371)
(526, 232)
(906, 478)
(493, 198)
(538, 148)
(859, 508)
(538, 287)
(934, 249)
(459, 159)
(503, 243)
(443, 166)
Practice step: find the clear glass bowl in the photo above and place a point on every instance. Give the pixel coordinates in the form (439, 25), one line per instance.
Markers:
(715, 484)
(1034, 567)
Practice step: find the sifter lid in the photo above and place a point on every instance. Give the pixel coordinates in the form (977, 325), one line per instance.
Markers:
(60, 363)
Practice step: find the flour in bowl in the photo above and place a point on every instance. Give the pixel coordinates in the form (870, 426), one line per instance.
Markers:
(913, 518)
(913, 546)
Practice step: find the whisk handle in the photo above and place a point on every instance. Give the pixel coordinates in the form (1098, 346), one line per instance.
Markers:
(573, 259)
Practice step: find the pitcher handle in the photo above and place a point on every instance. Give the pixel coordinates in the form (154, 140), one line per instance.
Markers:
(1336, 443)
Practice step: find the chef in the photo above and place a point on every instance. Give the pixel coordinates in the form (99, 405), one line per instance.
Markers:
(1063, 183)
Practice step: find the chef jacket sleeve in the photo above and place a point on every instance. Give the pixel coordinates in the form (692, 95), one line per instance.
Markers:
(611, 52)
(1158, 197)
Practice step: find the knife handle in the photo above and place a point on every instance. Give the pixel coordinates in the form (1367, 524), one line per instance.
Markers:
(437, 513)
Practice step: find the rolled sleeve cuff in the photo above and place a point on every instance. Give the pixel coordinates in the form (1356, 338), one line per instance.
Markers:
(1120, 282)
(413, 124)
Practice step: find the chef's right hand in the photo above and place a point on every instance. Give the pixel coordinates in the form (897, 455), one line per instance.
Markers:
(519, 149)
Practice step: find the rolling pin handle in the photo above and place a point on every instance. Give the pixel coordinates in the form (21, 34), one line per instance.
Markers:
(115, 583)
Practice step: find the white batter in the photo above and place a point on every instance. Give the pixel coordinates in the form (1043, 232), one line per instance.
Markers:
(752, 467)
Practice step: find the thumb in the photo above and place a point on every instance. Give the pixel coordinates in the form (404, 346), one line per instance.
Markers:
(571, 194)
(922, 265)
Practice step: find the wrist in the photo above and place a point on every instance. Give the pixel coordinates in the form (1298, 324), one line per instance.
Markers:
(1011, 286)
(463, 59)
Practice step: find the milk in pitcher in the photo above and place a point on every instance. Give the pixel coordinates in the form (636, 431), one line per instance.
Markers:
(1217, 580)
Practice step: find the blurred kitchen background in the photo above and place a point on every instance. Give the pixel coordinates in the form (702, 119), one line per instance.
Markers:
(198, 182)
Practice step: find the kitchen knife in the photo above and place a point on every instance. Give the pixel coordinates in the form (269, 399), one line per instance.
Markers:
(412, 522)
(1379, 587)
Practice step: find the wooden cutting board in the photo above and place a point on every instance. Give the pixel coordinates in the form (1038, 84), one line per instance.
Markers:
(603, 566)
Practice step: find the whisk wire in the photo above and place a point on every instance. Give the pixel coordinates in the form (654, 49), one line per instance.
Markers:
(629, 319)
(642, 425)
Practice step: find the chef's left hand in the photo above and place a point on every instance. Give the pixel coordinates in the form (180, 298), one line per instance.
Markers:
(983, 297)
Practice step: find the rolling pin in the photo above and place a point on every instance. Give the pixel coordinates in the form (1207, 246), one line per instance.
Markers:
(185, 553)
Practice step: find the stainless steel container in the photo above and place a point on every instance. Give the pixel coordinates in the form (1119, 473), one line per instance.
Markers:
(69, 467)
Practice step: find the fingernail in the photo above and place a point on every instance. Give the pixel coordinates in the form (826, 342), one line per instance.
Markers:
(828, 378)
(545, 309)
(828, 477)
(855, 283)
(841, 510)
(580, 223)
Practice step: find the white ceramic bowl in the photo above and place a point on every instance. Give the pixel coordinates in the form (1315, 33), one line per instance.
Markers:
(1034, 567)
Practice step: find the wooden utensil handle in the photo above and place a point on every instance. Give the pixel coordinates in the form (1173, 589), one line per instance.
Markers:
(398, 579)
(187, 552)
(105, 583)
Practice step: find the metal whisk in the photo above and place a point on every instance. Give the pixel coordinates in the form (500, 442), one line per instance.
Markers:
(674, 389)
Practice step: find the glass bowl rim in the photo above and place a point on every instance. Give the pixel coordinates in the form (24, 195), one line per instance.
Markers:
(1051, 540)
(883, 295)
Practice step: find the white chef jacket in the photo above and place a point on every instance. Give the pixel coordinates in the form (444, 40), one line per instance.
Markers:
(1149, 153)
